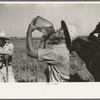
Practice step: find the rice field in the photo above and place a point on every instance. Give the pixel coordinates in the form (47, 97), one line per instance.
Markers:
(28, 69)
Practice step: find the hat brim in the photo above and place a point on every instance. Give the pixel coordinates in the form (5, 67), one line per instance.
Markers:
(67, 36)
(4, 38)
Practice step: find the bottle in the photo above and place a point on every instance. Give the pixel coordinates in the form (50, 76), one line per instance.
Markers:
(43, 25)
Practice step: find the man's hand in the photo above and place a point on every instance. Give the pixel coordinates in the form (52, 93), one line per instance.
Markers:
(31, 27)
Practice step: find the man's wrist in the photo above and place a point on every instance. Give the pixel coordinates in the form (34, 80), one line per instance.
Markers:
(31, 29)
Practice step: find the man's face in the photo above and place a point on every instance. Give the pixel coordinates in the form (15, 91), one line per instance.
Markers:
(59, 33)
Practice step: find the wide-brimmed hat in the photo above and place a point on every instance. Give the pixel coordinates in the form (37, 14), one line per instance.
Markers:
(3, 35)
(66, 33)
(73, 32)
(70, 33)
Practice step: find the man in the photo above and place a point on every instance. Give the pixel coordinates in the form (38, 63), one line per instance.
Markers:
(6, 52)
(57, 57)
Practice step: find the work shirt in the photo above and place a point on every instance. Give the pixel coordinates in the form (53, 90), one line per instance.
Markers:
(58, 62)
(6, 48)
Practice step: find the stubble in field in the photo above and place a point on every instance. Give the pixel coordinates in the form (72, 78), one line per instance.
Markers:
(28, 69)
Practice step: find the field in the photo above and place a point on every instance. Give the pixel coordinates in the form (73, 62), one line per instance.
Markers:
(27, 69)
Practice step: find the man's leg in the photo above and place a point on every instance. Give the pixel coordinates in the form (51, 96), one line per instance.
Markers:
(1, 77)
(10, 74)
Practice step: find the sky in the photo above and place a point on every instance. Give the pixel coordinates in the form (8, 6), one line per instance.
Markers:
(15, 17)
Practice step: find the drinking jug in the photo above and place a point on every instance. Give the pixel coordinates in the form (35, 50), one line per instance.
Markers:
(43, 25)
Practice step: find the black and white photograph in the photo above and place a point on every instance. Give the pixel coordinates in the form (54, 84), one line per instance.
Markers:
(50, 43)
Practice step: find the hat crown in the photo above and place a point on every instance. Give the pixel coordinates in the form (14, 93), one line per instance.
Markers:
(2, 34)
(73, 32)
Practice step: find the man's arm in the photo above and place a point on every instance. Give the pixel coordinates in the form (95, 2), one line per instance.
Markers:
(8, 49)
(43, 42)
(31, 51)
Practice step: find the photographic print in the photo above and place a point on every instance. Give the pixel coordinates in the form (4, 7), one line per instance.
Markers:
(80, 23)
(52, 43)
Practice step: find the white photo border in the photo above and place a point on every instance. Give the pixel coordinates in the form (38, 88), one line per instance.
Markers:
(44, 91)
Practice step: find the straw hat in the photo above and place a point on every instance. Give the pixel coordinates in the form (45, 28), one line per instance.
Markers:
(3, 35)
(73, 32)
(66, 33)
(70, 33)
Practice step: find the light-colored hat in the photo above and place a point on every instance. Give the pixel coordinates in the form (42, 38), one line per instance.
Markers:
(3, 35)
(67, 35)
(72, 32)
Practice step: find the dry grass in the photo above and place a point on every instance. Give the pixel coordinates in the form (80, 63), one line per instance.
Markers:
(28, 69)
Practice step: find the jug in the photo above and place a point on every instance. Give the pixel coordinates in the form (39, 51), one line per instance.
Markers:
(43, 25)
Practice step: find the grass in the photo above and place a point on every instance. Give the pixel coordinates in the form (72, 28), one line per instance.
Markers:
(28, 69)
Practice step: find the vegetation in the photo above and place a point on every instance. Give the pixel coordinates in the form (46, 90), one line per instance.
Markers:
(28, 69)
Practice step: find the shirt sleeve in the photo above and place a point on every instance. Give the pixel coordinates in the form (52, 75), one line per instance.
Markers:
(47, 55)
(9, 47)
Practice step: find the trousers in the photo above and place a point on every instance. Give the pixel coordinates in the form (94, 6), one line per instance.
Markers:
(56, 76)
(10, 74)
